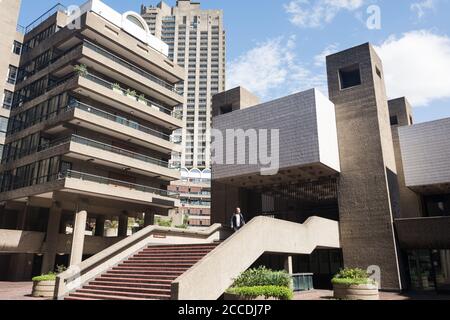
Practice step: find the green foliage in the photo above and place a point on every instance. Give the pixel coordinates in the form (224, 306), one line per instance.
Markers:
(131, 93)
(263, 277)
(141, 98)
(277, 292)
(81, 69)
(116, 86)
(60, 269)
(51, 276)
(352, 276)
(163, 222)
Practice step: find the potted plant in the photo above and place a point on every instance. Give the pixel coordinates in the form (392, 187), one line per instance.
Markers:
(131, 94)
(141, 99)
(261, 284)
(354, 284)
(44, 285)
(116, 87)
(81, 70)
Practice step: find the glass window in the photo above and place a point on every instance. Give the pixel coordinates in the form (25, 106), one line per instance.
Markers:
(17, 48)
(7, 99)
(12, 74)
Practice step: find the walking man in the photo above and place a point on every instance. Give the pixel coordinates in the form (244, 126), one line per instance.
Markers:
(237, 220)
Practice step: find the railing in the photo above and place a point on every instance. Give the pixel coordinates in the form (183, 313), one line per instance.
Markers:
(20, 29)
(119, 151)
(121, 120)
(117, 183)
(142, 100)
(130, 66)
(90, 143)
(56, 8)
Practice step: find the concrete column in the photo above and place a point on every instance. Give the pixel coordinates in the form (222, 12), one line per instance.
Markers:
(51, 239)
(149, 219)
(76, 255)
(123, 225)
(288, 265)
(100, 226)
(21, 218)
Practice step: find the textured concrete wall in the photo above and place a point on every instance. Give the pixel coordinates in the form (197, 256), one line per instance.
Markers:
(298, 119)
(410, 205)
(237, 98)
(367, 163)
(425, 151)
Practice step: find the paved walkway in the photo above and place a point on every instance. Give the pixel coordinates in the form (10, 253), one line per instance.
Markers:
(16, 291)
(328, 294)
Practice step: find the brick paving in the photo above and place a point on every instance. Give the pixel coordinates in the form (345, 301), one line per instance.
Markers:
(16, 291)
(328, 294)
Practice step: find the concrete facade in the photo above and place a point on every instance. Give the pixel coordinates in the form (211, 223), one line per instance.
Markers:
(88, 143)
(368, 187)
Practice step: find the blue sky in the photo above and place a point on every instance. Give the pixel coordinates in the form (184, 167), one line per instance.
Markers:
(277, 47)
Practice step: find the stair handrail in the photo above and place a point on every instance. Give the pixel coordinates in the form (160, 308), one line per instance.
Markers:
(77, 275)
(211, 276)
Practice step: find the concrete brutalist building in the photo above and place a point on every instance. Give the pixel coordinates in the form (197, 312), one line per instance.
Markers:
(356, 158)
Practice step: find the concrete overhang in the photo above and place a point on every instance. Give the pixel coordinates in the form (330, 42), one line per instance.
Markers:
(423, 233)
(308, 144)
(425, 149)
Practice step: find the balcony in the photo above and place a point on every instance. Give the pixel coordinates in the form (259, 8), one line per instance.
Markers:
(84, 149)
(131, 67)
(97, 120)
(91, 186)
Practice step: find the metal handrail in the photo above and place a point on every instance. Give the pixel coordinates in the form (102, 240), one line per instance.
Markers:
(56, 8)
(145, 101)
(130, 66)
(108, 181)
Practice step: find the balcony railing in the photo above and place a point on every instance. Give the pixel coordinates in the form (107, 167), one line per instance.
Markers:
(116, 183)
(19, 183)
(144, 101)
(90, 143)
(56, 8)
(131, 67)
(119, 151)
(118, 119)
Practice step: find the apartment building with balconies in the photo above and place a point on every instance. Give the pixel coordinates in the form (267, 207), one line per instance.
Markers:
(88, 140)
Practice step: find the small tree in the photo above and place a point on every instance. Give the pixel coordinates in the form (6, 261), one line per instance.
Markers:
(81, 70)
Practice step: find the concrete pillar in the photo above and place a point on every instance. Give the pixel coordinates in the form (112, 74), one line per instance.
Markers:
(51, 239)
(123, 225)
(76, 255)
(100, 226)
(149, 219)
(288, 265)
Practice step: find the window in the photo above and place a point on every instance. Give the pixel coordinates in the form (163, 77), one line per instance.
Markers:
(350, 76)
(378, 72)
(7, 99)
(12, 74)
(394, 120)
(17, 48)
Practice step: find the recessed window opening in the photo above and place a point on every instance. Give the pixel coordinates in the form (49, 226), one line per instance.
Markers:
(350, 76)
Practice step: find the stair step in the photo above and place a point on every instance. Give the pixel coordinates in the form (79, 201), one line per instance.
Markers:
(178, 249)
(134, 274)
(183, 246)
(131, 284)
(146, 268)
(119, 278)
(126, 295)
(154, 261)
(173, 254)
(93, 296)
(160, 265)
(155, 273)
(127, 289)
(168, 258)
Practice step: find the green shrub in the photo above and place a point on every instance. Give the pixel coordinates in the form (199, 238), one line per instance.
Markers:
(352, 276)
(277, 292)
(51, 276)
(80, 69)
(263, 277)
(163, 222)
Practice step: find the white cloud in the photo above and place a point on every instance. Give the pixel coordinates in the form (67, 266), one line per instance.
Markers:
(272, 69)
(316, 13)
(420, 7)
(417, 65)
(319, 59)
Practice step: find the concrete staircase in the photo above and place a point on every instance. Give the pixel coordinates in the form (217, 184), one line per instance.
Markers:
(147, 275)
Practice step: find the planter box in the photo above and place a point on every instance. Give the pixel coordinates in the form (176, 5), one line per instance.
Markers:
(235, 297)
(117, 90)
(43, 289)
(356, 292)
